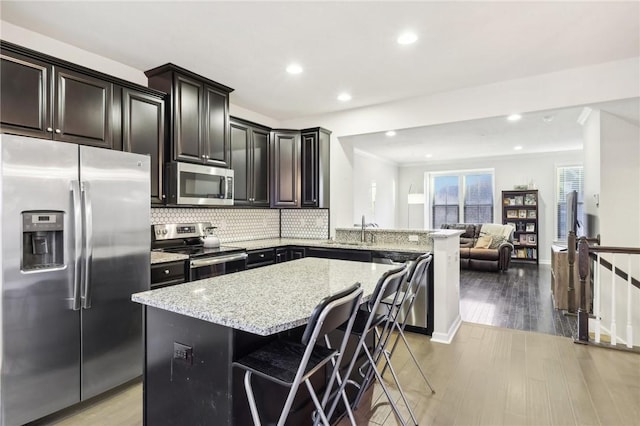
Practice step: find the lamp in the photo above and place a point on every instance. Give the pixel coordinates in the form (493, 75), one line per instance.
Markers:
(417, 198)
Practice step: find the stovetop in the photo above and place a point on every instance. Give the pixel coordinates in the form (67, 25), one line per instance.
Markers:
(186, 238)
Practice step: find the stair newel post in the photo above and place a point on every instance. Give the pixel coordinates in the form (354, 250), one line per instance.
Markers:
(571, 258)
(583, 271)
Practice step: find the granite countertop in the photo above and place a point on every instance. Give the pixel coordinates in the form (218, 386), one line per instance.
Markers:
(161, 257)
(265, 300)
(279, 242)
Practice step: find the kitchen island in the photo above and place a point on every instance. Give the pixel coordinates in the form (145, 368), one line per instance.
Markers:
(194, 331)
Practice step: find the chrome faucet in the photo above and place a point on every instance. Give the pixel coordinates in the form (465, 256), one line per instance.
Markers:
(362, 230)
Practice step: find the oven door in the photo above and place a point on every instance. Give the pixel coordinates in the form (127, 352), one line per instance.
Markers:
(202, 185)
(200, 269)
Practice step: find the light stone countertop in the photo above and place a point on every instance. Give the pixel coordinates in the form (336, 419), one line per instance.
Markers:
(161, 257)
(280, 242)
(265, 300)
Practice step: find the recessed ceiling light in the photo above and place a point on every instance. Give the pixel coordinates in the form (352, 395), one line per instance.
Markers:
(407, 38)
(517, 148)
(344, 97)
(391, 133)
(514, 117)
(294, 69)
(428, 155)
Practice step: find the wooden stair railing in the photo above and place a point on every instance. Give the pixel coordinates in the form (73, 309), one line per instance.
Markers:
(586, 254)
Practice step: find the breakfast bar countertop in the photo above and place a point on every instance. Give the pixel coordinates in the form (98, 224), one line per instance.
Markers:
(280, 242)
(265, 300)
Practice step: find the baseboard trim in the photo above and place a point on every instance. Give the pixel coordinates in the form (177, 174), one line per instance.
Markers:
(447, 337)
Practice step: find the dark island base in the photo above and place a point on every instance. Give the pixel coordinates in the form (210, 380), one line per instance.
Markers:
(189, 379)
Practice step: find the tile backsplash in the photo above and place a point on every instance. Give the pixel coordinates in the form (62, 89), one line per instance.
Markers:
(251, 224)
(304, 223)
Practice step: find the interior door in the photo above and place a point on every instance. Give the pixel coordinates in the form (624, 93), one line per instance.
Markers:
(117, 210)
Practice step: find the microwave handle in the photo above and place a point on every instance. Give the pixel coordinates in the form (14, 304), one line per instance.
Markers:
(223, 187)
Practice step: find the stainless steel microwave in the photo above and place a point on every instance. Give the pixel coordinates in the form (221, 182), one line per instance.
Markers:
(195, 184)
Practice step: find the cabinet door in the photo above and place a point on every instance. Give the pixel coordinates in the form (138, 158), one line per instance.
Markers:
(285, 148)
(26, 96)
(240, 163)
(310, 169)
(143, 132)
(187, 135)
(260, 167)
(83, 109)
(215, 145)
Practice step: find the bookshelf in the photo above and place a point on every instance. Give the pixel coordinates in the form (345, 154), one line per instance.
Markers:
(520, 209)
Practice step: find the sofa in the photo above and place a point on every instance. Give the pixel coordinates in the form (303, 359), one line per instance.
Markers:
(484, 247)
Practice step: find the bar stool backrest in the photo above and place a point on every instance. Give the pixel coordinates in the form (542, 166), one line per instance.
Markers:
(341, 307)
(387, 285)
(418, 271)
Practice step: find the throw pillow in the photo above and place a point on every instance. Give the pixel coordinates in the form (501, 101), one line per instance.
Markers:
(496, 241)
(484, 242)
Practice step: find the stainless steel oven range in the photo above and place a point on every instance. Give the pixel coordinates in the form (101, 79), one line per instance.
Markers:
(204, 262)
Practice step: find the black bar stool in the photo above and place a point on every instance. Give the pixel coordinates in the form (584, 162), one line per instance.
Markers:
(292, 363)
(366, 322)
(417, 275)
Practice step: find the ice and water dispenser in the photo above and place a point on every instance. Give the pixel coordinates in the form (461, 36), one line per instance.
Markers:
(42, 240)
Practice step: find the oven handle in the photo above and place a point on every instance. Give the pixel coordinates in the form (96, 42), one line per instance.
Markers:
(217, 260)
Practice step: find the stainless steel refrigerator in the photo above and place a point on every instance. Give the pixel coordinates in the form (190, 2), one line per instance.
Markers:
(75, 246)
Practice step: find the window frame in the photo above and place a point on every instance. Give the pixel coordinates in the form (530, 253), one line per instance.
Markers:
(581, 204)
(462, 191)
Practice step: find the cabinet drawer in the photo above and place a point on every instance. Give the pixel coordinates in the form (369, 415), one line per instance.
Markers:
(167, 273)
(260, 258)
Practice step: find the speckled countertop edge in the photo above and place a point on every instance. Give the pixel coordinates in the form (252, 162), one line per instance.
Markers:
(265, 300)
(162, 257)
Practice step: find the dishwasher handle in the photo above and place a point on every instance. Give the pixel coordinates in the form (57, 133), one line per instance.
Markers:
(217, 260)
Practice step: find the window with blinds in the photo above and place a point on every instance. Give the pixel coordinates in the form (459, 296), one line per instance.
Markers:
(461, 198)
(569, 178)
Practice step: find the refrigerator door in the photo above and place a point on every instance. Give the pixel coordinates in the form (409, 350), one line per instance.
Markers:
(40, 347)
(116, 194)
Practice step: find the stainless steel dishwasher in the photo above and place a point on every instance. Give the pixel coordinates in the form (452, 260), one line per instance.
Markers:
(420, 318)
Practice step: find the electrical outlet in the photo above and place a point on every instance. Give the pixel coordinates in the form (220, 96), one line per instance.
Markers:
(183, 353)
(414, 238)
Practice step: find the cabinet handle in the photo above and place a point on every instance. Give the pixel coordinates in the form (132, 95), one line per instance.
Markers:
(166, 272)
(207, 157)
(204, 156)
(49, 129)
(314, 200)
(262, 255)
(58, 131)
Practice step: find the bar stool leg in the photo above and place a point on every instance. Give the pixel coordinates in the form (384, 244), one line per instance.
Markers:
(252, 402)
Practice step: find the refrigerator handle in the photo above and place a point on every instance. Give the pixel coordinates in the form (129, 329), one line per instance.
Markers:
(88, 245)
(77, 238)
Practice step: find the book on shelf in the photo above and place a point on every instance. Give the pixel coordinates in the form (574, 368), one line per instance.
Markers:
(530, 200)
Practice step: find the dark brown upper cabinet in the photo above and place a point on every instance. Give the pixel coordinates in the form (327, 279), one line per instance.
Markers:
(285, 158)
(42, 99)
(250, 163)
(198, 112)
(315, 167)
(143, 132)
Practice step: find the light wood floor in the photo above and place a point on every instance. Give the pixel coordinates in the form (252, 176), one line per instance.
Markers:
(486, 376)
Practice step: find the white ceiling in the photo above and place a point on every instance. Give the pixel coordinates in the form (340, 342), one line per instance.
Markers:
(343, 46)
(536, 132)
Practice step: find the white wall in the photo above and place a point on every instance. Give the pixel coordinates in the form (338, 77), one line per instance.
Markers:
(591, 151)
(620, 205)
(508, 171)
(369, 169)
(577, 86)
